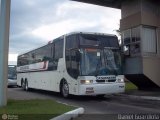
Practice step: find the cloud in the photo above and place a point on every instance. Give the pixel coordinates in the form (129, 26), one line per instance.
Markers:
(57, 29)
(29, 15)
(24, 42)
(75, 16)
(35, 22)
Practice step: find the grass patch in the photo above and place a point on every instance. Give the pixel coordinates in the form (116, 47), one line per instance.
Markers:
(130, 86)
(35, 109)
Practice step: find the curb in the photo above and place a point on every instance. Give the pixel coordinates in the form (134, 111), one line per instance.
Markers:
(141, 97)
(145, 97)
(69, 115)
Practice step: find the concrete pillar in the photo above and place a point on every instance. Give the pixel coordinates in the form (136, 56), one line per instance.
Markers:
(4, 45)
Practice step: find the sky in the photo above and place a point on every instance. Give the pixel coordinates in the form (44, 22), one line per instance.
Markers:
(35, 22)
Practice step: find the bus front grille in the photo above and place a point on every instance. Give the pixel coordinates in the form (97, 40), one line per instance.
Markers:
(100, 81)
(113, 80)
(103, 81)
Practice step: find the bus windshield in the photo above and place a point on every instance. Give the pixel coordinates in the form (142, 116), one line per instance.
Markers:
(100, 62)
(99, 55)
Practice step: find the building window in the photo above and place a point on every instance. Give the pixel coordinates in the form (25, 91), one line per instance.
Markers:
(131, 41)
(149, 40)
(135, 35)
(135, 41)
(126, 41)
(127, 36)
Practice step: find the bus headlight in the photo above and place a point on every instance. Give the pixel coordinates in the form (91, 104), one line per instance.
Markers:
(120, 80)
(86, 81)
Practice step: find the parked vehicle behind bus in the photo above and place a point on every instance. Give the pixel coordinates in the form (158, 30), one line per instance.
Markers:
(76, 63)
(12, 76)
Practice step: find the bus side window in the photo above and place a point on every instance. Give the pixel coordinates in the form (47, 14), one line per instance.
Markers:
(68, 61)
(58, 53)
(74, 64)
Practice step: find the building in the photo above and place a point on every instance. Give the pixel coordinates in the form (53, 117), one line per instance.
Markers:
(140, 28)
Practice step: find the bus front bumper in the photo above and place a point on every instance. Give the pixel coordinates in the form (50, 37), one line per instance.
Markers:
(99, 89)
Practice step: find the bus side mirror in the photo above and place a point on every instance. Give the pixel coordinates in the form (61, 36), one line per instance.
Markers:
(78, 56)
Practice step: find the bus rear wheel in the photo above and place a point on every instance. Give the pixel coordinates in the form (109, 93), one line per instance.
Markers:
(26, 85)
(23, 84)
(65, 89)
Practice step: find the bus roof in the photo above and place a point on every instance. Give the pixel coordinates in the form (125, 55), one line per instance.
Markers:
(72, 33)
(91, 33)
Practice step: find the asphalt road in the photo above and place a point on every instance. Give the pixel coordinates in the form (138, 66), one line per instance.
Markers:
(110, 105)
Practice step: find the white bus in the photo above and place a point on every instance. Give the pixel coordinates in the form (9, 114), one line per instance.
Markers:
(76, 63)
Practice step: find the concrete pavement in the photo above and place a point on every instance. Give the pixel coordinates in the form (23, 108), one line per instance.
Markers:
(96, 108)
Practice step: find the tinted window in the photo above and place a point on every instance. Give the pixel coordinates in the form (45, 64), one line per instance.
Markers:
(109, 41)
(39, 55)
(23, 60)
(72, 64)
(99, 40)
(89, 40)
(71, 42)
(58, 49)
(68, 61)
(42, 54)
(51, 53)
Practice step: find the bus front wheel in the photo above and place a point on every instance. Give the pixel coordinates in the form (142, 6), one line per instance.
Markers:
(65, 89)
(101, 96)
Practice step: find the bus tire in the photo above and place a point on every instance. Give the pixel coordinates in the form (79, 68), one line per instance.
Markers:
(65, 89)
(23, 84)
(26, 85)
(101, 96)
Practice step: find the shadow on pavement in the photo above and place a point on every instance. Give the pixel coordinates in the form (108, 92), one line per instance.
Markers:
(71, 97)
